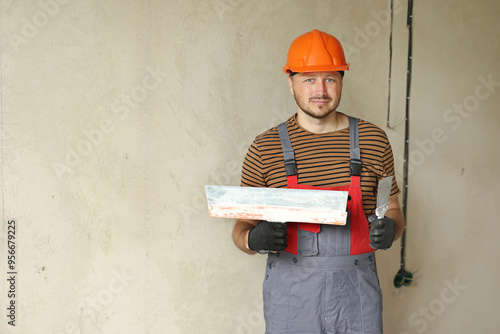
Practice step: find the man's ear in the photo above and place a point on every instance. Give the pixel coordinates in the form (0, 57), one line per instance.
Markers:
(290, 84)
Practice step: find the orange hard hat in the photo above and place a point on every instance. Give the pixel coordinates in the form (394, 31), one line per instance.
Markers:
(315, 51)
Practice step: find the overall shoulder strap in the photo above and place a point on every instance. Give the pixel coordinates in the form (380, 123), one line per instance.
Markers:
(292, 182)
(354, 147)
(286, 145)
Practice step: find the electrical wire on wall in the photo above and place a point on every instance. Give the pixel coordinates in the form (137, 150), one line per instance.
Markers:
(403, 277)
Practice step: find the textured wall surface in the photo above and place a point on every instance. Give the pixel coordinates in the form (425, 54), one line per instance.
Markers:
(115, 114)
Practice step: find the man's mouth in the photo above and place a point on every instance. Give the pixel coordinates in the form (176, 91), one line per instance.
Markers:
(320, 101)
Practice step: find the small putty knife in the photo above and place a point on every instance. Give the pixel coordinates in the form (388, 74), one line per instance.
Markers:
(383, 194)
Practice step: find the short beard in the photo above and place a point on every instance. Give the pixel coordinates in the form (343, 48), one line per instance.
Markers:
(311, 114)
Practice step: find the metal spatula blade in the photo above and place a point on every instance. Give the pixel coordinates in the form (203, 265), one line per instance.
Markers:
(383, 194)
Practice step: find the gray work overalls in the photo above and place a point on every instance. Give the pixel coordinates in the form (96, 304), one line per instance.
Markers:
(326, 281)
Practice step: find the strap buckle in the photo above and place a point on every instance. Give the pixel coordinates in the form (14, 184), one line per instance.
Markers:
(290, 168)
(355, 167)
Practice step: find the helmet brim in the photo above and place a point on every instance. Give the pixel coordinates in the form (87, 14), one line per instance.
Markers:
(319, 68)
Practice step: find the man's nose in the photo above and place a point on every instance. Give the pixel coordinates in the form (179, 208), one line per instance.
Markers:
(320, 88)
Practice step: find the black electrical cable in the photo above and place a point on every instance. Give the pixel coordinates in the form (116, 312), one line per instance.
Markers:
(407, 125)
(390, 68)
(404, 277)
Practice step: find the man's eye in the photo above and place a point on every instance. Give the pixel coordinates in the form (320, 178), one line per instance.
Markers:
(309, 80)
(330, 80)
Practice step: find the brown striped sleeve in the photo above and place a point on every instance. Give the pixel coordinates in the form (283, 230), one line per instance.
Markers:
(251, 173)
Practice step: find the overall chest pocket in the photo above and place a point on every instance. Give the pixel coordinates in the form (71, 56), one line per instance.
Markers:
(307, 243)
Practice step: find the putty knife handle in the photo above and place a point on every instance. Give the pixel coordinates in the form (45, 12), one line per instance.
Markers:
(380, 211)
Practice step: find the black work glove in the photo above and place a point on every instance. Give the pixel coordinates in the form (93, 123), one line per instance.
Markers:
(382, 232)
(267, 236)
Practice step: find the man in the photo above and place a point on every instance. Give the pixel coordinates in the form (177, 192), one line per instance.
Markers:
(321, 279)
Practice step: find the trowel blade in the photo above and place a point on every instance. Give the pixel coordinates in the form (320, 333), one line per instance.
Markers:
(278, 204)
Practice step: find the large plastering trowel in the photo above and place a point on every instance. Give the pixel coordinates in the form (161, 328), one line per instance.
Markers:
(278, 204)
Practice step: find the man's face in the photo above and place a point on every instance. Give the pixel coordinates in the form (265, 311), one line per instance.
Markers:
(317, 93)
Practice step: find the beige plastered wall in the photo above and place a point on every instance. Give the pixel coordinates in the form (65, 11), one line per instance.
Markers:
(115, 114)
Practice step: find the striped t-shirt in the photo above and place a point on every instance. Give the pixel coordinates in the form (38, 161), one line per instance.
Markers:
(322, 159)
